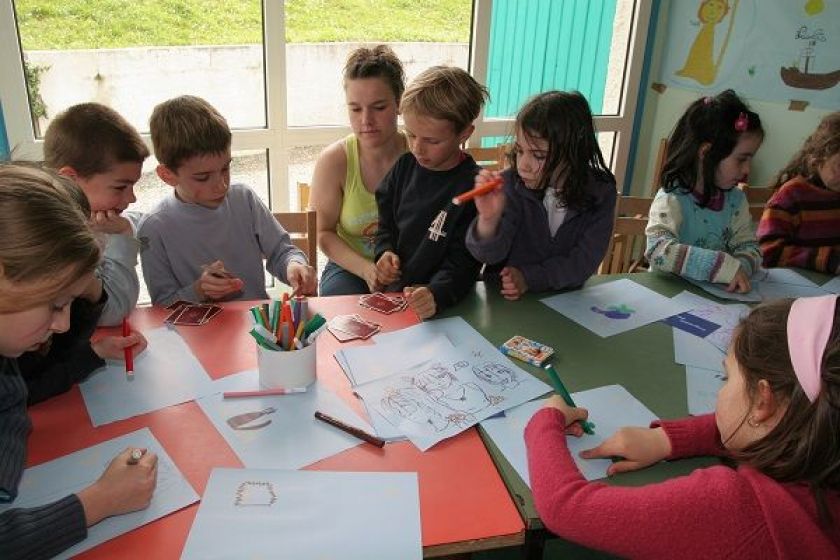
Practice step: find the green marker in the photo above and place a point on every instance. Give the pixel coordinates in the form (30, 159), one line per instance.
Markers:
(560, 389)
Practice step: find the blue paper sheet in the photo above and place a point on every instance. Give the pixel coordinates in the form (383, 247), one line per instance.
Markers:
(702, 386)
(165, 374)
(693, 351)
(307, 515)
(610, 408)
(66, 475)
(282, 432)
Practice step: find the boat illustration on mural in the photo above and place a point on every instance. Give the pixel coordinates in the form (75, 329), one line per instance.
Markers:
(800, 75)
(793, 77)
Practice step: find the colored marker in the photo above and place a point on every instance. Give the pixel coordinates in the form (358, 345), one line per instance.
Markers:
(487, 187)
(128, 353)
(262, 393)
(134, 458)
(561, 390)
(352, 430)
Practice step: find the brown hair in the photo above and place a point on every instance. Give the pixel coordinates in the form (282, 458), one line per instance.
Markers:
(45, 241)
(445, 92)
(823, 143)
(185, 127)
(91, 138)
(379, 62)
(804, 446)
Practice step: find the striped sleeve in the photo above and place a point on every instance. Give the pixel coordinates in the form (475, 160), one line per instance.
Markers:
(743, 244)
(665, 252)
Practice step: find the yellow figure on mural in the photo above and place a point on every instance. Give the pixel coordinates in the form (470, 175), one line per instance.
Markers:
(700, 64)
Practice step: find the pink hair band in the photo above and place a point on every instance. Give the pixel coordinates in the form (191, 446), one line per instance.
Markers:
(808, 327)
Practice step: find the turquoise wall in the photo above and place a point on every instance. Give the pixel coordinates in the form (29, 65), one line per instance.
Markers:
(4, 140)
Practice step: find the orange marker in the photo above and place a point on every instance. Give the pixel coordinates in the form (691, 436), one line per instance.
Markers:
(487, 187)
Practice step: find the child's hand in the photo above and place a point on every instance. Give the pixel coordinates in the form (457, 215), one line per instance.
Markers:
(216, 282)
(110, 221)
(513, 283)
(112, 347)
(637, 448)
(421, 300)
(388, 268)
(574, 416)
(302, 279)
(122, 488)
(490, 205)
(741, 282)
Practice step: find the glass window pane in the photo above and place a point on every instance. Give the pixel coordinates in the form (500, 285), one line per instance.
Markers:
(321, 34)
(133, 55)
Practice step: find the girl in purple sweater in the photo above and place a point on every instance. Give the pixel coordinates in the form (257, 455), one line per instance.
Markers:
(550, 226)
(776, 423)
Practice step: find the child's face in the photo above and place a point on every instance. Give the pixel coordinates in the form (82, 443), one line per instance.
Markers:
(735, 168)
(434, 142)
(202, 180)
(733, 406)
(111, 190)
(24, 331)
(531, 152)
(829, 173)
(372, 109)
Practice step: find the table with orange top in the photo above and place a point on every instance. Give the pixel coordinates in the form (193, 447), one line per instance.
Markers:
(464, 504)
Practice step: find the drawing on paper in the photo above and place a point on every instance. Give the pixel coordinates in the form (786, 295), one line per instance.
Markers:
(497, 374)
(619, 311)
(410, 404)
(700, 64)
(248, 420)
(442, 387)
(253, 493)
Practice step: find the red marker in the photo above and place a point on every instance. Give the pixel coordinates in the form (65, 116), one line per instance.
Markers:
(127, 352)
(487, 187)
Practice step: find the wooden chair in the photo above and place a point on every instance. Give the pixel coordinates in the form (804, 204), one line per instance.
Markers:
(302, 227)
(757, 198)
(494, 159)
(626, 252)
(303, 196)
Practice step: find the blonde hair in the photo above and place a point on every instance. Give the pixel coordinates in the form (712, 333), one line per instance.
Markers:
(45, 241)
(91, 138)
(447, 93)
(185, 127)
(820, 146)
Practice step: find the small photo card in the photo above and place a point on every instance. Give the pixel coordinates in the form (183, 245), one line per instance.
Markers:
(527, 350)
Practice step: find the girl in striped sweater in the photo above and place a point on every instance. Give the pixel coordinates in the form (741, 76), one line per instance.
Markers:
(801, 225)
(700, 225)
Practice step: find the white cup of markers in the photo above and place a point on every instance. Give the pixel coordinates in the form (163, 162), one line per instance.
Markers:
(285, 337)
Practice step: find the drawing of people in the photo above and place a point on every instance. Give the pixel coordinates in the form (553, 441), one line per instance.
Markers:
(445, 389)
(408, 404)
(700, 64)
(497, 374)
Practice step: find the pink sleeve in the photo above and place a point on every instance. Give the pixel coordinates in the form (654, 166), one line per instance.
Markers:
(693, 436)
(674, 518)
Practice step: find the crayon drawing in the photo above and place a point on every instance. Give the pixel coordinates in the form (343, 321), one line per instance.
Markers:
(449, 395)
(253, 493)
(619, 311)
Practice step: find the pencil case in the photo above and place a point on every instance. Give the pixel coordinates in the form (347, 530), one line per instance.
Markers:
(527, 350)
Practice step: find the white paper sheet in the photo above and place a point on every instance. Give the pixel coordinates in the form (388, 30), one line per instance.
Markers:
(693, 351)
(768, 284)
(614, 307)
(452, 393)
(362, 364)
(610, 408)
(51, 481)
(283, 432)
(307, 515)
(702, 386)
(165, 374)
(726, 315)
(832, 286)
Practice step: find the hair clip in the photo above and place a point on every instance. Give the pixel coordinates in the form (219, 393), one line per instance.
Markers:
(707, 100)
(742, 122)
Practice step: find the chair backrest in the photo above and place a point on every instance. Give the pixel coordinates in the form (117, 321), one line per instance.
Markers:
(626, 251)
(302, 227)
(493, 158)
(303, 196)
(757, 198)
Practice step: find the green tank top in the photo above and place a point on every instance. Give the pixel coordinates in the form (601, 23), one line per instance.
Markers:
(359, 215)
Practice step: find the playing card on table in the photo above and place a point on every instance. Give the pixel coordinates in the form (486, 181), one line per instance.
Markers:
(382, 303)
(351, 327)
(185, 313)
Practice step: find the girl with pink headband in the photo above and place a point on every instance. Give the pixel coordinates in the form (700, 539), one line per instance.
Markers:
(776, 426)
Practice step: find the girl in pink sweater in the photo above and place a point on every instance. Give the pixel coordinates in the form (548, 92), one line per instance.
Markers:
(777, 423)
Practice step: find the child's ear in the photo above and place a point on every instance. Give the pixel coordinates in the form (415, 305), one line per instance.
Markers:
(704, 148)
(68, 171)
(167, 175)
(766, 407)
(466, 133)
